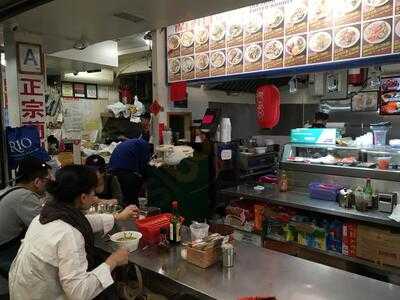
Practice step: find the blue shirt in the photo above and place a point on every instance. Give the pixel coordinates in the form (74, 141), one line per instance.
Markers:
(131, 155)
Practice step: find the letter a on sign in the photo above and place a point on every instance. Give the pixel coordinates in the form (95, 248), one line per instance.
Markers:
(29, 58)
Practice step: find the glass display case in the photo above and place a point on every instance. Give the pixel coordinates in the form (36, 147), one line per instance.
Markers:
(377, 162)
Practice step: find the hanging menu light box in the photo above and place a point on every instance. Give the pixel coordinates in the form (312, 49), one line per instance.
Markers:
(279, 35)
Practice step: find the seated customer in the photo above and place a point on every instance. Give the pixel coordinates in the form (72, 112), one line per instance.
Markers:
(128, 163)
(57, 257)
(18, 206)
(108, 187)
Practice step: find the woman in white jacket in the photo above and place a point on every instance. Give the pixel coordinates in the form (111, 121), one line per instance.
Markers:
(57, 257)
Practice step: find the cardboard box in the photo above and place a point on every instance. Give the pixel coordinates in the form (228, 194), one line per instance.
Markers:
(378, 245)
(349, 239)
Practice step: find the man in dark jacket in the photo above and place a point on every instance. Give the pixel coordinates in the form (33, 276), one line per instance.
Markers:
(128, 162)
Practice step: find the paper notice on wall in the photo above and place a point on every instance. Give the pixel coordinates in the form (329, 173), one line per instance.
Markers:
(72, 116)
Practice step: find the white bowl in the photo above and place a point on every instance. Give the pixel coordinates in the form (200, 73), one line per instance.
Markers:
(130, 245)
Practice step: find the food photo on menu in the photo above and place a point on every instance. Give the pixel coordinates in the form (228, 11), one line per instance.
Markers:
(201, 39)
(187, 42)
(347, 11)
(273, 54)
(217, 35)
(218, 63)
(396, 38)
(389, 96)
(174, 69)
(234, 29)
(347, 42)
(253, 29)
(187, 66)
(320, 47)
(296, 17)
(377, 37)
(295, 48)
(173, 45)
(274, 22)
(253, 57)
(235, 60)
(374, 9)
(320, 14)
(202, 63)
(217, 59)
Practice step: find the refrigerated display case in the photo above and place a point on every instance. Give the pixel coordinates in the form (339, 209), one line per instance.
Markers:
(374, 162)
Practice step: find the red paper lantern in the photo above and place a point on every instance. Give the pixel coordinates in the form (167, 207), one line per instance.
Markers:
(268, 100)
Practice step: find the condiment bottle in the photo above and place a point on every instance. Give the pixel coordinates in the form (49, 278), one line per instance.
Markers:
(283, 182)
(368, 193)
(175, 225)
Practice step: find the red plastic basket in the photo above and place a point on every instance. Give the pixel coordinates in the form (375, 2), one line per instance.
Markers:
(150, 227)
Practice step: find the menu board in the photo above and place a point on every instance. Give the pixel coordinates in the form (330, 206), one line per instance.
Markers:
(389, 96)
(282, 34)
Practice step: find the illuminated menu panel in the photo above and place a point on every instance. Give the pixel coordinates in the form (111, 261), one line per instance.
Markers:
(282, 34)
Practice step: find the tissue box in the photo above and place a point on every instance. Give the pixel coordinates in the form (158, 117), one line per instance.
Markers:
(324, 191)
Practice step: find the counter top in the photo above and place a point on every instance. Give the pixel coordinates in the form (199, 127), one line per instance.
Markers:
(301, 200)
(261, 272)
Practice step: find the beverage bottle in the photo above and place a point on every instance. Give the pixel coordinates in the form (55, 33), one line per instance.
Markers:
(175, 225)
(283, 182)
(368, 193)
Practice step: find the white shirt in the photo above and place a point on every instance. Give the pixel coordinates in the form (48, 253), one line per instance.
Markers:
(51, 263)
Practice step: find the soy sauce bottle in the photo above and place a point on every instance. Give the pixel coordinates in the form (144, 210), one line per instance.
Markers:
(175, 225)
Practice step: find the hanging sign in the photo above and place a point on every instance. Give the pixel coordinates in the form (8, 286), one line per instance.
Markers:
(31, 87)
(283, 35)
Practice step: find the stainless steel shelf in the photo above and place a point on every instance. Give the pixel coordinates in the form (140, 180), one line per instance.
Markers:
(351, 259)
(301, 200)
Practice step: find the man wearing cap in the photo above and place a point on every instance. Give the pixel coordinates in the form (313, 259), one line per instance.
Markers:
(18, 206)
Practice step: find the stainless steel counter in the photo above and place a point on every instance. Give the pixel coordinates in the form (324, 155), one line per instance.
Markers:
(301, 200)
(262, 272)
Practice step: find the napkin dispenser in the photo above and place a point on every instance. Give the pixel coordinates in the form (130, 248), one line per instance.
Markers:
(386, 202)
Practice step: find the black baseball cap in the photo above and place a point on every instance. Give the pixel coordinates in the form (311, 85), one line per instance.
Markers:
(30, 168)
(96, 162)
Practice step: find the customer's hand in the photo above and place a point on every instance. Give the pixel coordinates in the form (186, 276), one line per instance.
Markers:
(130, 212)
(118, 258)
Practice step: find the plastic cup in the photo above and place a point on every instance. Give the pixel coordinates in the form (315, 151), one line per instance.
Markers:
(383, 163)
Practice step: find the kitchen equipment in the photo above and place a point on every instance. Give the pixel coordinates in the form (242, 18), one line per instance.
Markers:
(228, 255)
(386, 202)
(381, 133)
(198, 230)
(128, 240)
(251, 163)
(346, 198)
(324, 191)
(260, 150)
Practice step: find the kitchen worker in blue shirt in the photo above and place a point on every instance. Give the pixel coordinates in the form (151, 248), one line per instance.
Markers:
(128, 162)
